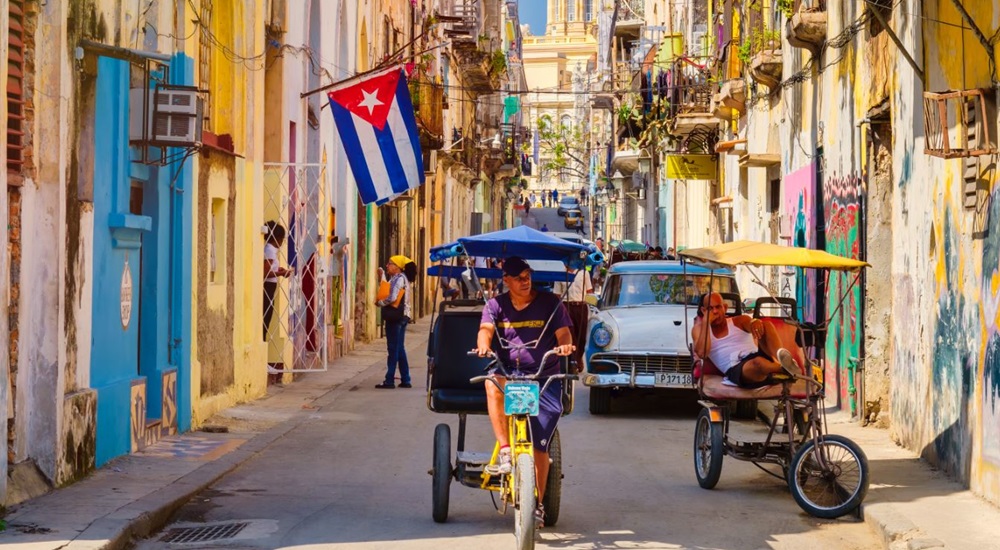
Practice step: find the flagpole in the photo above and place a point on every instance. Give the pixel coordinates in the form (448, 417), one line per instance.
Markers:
(381, 68)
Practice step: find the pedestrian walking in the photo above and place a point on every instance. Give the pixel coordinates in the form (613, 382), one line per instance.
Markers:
(395, 297)
(532, 198)
(574, 294)
(527, 207)
(555, 197)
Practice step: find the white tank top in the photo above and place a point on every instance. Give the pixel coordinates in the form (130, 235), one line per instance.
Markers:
(731, 348)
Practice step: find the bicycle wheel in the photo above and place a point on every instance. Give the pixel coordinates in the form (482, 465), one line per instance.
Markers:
(828, 476)
(441, 472)
(553, 487)
(524, 508)
(708, 451)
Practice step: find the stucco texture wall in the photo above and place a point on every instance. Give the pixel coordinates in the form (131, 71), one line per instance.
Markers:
(946, 272)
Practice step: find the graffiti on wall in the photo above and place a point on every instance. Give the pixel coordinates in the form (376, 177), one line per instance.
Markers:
(799, 223)
(842, 201)
(990, 296)
(955, 354)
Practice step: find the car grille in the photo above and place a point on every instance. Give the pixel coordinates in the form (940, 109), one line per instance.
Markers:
(647, 363)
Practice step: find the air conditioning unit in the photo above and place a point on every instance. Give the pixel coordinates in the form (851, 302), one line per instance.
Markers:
(173, 116)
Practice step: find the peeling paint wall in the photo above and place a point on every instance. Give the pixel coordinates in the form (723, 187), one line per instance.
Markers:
(945, 264)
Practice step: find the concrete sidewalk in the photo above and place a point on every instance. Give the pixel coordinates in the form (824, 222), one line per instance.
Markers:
(913, 506)
(135, 495)
(909, 505)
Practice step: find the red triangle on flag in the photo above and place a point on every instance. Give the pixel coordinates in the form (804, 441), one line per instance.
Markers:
(369, 99)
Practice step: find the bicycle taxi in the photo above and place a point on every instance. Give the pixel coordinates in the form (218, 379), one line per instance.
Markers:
(827, 474)
(455, 379)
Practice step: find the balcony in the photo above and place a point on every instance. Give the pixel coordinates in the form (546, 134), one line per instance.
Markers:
(691, 95)
(766, 67)
(463, 20)
(630, 18)
(806, 30)
(478, 68)
(428, 100)
(730, 103)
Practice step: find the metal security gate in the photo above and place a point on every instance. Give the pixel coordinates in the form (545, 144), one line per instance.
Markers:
(296, 198)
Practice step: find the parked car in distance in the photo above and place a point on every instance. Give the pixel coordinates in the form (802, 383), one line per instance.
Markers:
(572, 237)
(573, 219)
(567, 203)
(638, 332)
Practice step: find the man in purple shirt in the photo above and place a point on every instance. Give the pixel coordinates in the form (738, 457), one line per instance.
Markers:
(530, 323)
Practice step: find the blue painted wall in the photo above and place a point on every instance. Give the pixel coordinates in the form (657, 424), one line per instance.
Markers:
(178, 177)
(117, 239)
(158, 336)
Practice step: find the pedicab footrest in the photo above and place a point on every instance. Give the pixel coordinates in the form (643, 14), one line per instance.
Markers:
(521, 398)
(474, 459)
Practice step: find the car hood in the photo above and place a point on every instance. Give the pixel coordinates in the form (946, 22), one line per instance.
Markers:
(657, 328)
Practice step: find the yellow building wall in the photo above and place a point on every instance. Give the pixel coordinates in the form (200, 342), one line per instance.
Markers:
(236, 91)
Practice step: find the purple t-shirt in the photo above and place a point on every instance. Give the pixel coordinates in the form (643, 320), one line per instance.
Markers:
(517, 328)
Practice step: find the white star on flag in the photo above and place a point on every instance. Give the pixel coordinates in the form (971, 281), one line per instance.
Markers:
(371, 101)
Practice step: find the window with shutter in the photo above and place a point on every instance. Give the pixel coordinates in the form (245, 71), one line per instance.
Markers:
(15, 87)
(205, 60)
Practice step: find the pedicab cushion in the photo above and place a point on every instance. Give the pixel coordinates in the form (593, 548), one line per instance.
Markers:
(451, 368)
(711, 378)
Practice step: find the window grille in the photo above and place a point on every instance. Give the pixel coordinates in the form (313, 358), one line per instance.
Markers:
(15, 87)
(205, 60)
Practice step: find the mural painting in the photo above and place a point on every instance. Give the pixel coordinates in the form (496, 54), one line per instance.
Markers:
(990, 289)
(842, 211)
(799, 222)
(955, 355)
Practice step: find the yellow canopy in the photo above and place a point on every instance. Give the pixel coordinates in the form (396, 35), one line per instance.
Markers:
(755, 253)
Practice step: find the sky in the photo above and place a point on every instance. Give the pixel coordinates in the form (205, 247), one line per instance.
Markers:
(532, 12)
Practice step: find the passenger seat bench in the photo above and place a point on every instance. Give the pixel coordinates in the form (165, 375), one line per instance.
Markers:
(710, 378)
(450, 367)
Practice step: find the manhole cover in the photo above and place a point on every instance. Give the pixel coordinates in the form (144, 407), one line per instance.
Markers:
(204, 533)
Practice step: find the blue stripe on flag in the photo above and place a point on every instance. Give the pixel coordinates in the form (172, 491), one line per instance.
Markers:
(355, 154)
(394, 167)
(406, 107)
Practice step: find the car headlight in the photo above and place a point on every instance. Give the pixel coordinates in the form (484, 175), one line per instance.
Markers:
(601, 336)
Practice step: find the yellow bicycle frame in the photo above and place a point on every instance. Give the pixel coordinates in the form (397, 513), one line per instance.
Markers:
(518, 433)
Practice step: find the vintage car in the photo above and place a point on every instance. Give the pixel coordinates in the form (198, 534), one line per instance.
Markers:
(639, 332)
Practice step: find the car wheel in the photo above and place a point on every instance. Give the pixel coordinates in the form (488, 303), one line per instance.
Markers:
(600, 400)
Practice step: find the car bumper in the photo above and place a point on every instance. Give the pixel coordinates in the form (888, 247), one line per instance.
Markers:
(637, 371)
(619, 380)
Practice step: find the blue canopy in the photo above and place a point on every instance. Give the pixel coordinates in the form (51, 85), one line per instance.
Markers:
(522, 241)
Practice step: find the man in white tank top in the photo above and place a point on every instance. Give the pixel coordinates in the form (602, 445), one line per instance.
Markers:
(741, 347)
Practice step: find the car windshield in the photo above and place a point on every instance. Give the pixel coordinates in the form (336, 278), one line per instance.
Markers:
(568, 201)
(634, 289)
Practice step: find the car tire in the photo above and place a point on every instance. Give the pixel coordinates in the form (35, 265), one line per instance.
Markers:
(600, 400)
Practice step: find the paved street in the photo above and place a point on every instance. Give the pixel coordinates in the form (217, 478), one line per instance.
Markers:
(354, 475)
(547, 216)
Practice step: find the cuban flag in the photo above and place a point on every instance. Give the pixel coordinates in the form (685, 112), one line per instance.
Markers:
(378, 128)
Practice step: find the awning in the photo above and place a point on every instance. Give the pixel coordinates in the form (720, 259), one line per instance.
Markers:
(756, 253)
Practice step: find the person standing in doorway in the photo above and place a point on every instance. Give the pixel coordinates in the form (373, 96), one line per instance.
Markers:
(274, 237)
(397, 312)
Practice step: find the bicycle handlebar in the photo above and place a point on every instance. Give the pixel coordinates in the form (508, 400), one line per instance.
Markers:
(541, 365)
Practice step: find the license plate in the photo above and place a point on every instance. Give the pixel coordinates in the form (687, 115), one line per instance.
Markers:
(672, 379)
(521, 398)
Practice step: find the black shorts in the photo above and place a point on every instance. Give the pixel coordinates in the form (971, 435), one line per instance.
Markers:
(735, 374)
